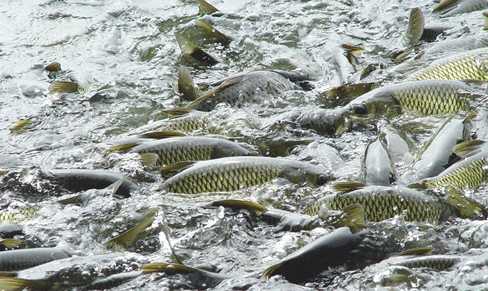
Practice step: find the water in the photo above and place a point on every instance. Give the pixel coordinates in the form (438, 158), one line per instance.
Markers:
(125, 57)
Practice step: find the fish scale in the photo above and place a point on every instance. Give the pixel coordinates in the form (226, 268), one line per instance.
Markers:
(470, 172)
(465, 66)
(234, 173)
(382, 203)
(426, 101)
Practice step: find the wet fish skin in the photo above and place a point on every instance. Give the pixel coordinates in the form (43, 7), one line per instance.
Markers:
(77, 180)
(26, 258)
(436, 262)
(465, 6)
(470, 172)
(377, 167)
(384, 202)
(244, 88)
(427, 97)
(331, 122)
(436, 154)
(329, 250)
(415, 29)
(191, 148)
(471, 65)
(234, 173)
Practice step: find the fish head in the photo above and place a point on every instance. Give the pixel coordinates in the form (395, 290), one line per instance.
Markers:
(375, 103)
(312, 175)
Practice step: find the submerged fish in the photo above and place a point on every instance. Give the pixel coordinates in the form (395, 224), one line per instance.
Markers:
(234, 173)
(437, 153)
(67, 273)
(380, 203)
(451, 8)
(191, 148)
(421, 97)
(252, 87)
(18, 215)
(26, 258)
(77, 180)
(471, 65)
(325, 121)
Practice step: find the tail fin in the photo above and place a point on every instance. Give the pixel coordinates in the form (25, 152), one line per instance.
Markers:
(191, 51)
(20, 125)
(128, 237)
(354, 217)
(186, 86)
(11, 243)
(206, 8)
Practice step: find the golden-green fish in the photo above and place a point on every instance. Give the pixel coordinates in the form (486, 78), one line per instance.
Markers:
(234, 173)
(384, 202)
(430, 97)
(436, 262)
(471, 65)
(470, 172)
(188, 148)
(16, 216)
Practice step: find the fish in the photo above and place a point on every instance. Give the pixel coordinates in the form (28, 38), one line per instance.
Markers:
(458, 45)
(426, 97)
(18, 215)
(470, 65)
(183, 123)
(376, 168)
(462, 6)
(470, 173)
(415, 30)
(77, 180)
(244, 88)
(332, 122)
(439, 152)
(396, 142)
(377, 165)
(15, 260)
(205, 8)
(129, 237)
(190, 148)
(436, 262)
(329, 250)
(68, 273)
(235, 173)
(385, 202)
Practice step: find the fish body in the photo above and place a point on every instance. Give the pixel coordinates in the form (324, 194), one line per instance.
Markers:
(234, 173)
(18, 215)
(396, 142)
(465, 6)
(377, 165)
(437, 152)
(324, 121)
(26, 258)
(471, 65)
(458, 45)
(193, 121)
(470, 172)
(380, 203)
(416, 23)
(436, 262)
(330, 250)
(431, 97)
(190, 148)
(77, 180)
(252, 87)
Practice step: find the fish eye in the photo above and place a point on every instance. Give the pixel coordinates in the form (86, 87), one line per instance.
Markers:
(360, 109)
